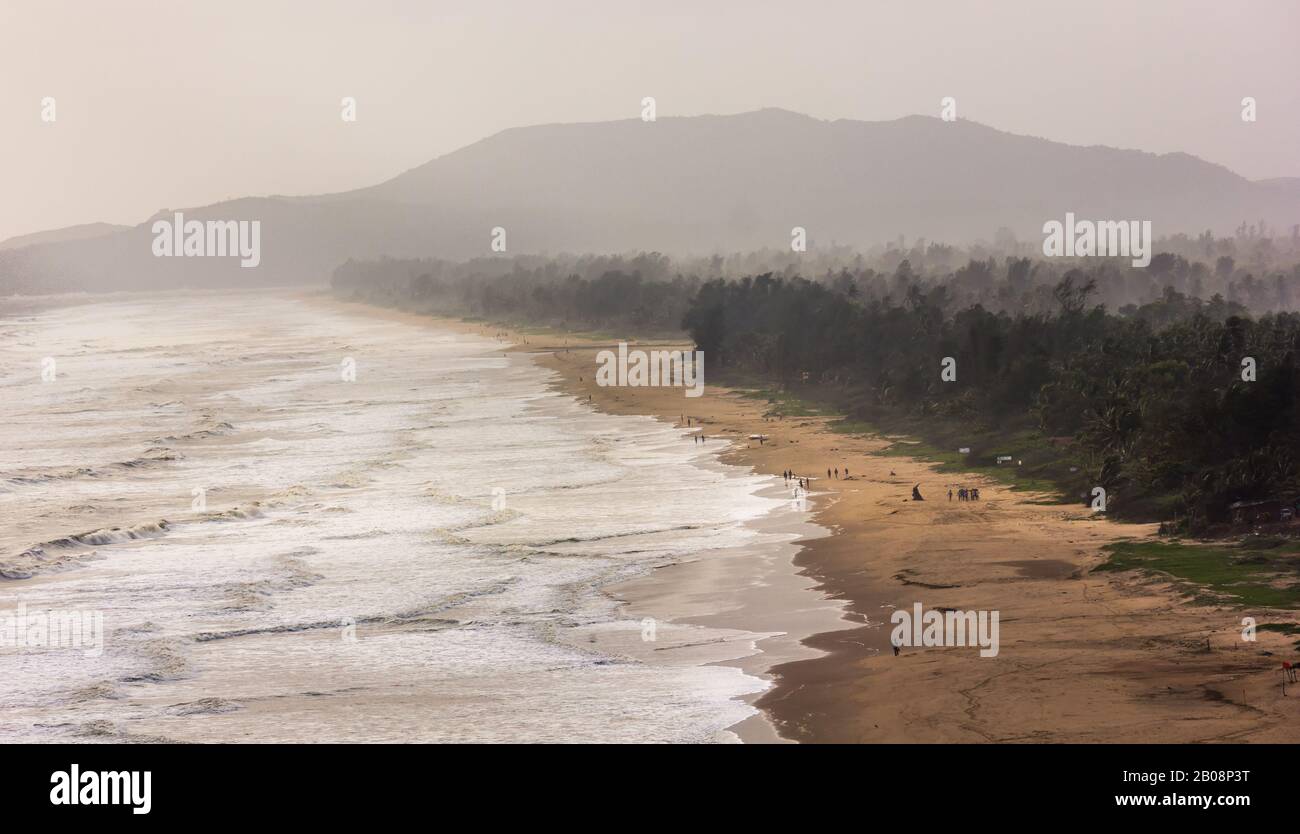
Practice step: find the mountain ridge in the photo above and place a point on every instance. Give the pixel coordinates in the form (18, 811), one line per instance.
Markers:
(690, 185)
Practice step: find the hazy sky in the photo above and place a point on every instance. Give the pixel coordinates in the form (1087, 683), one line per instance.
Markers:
(180, 102)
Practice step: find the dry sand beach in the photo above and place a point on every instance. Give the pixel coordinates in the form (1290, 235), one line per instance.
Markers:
(1085, 657)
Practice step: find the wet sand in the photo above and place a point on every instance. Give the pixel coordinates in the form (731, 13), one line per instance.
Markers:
(1084, 657)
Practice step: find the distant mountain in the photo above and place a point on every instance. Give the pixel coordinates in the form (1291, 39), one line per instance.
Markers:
(692, 185)
(85, 231)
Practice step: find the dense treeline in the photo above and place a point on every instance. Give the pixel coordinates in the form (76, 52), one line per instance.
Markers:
(1259, 273)
(634, 294)
(1146, 398)
(1152, 406)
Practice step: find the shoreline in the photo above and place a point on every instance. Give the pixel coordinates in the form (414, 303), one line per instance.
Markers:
(1084, 657)
(747, 607)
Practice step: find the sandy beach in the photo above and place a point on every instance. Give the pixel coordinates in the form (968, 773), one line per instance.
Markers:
(1084, 657)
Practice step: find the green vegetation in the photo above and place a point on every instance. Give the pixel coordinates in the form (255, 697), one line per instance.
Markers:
(1159, 417)
(780, 403)
(1238, 574)
(1028, 476)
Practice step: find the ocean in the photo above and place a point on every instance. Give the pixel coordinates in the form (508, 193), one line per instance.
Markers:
(301, 524)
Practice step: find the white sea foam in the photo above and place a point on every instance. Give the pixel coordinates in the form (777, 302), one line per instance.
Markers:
(400, 557)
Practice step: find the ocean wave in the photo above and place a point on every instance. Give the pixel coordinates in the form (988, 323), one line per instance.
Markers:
(62, 553)
(163, 661)
(205, 706)
(289, 572)
(620, 535)
(426, 616)
(352, 537)
(151, 457)
(243, 513)
(112, 535)
(104, 729)
(295, 492)
(216, 430)
(104, 690)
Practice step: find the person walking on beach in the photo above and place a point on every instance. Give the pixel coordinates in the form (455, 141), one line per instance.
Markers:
(837, 473)
(949, 493)
(828, 473)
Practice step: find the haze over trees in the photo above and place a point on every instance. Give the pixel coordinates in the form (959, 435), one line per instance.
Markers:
(1096, 374)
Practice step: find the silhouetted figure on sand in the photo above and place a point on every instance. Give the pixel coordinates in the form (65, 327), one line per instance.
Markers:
(916, 493)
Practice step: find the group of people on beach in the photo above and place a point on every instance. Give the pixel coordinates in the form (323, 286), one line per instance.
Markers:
(802, 482)
(966, 494)
(697, 437)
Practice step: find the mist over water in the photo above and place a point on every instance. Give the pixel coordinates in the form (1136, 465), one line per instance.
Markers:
(329, 503)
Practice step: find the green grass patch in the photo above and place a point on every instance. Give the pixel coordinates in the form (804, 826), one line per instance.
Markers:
(1244, 576)
(780, 403)
(1028, 471)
